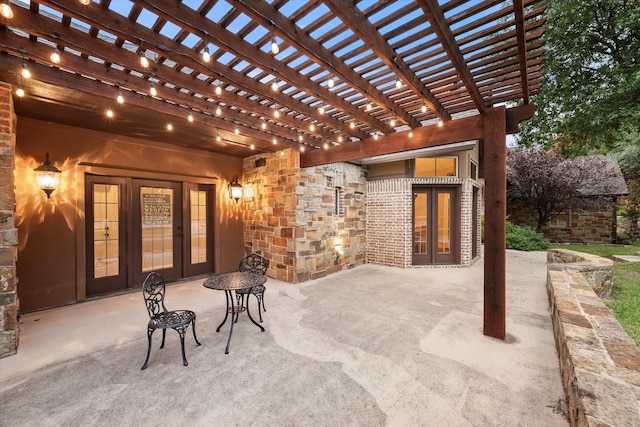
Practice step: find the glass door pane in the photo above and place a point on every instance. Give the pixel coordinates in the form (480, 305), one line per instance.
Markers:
(444, 223)
(157, 228)
(420, 235)
(198, 217)
(106, 243)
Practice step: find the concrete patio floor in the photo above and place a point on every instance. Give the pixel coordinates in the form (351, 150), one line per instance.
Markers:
(371, 346)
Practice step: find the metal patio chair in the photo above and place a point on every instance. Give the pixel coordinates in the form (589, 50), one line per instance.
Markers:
(153, 291)
(254, 263)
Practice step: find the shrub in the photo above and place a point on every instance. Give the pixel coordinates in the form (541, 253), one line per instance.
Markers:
(525, 239)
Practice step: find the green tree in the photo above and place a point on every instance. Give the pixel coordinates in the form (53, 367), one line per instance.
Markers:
(590, 100)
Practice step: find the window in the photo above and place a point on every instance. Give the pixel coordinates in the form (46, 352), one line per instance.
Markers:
(338, 199)
(474, 171)
(436, 166)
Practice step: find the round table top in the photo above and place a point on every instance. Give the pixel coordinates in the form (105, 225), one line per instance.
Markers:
(234, 281)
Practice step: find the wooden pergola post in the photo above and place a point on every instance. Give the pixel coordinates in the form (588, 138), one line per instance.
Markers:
(495, 218)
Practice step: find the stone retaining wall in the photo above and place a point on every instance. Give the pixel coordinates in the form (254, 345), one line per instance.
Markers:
(599, 362)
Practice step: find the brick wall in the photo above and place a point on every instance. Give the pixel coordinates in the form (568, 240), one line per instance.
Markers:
(8, 233)
(390, 216)
(291, 219)
(579, 226)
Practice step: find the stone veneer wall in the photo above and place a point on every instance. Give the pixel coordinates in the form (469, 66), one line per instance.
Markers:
(599, 362)
(291, 220)
(8, 233)
(390, 217)
(584, 226)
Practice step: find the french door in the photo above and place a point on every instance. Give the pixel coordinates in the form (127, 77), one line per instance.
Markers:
(435, 225)
(136, 226)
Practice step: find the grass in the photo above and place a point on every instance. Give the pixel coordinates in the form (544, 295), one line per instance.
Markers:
(625, 298)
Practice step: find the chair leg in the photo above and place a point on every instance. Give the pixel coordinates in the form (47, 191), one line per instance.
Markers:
(259, 310)
(184, 357)
(149, 334)
(262, 298)
(193, 327)
(164, 334)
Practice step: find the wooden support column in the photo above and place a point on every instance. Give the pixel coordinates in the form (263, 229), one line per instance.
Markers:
(495, 218)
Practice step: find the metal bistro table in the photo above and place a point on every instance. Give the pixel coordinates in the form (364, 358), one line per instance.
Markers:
(234, 281)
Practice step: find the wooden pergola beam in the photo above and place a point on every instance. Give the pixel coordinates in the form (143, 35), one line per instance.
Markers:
(518, 10)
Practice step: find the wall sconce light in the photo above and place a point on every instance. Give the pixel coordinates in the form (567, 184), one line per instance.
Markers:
(48, 176)
(339, 252)
(235, 189)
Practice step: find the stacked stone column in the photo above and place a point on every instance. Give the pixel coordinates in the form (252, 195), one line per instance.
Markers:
(8, 231)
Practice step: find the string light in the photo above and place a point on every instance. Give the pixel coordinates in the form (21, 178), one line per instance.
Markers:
(218, 110)
(440, 123)
(55, 56)
(5, 9)
(85, 2)
(276, 112)
(206, 56)
(275, 49)
(253, 146)
(275, 141)
(120, 98)
(340, 139)
(330, 82)
(274, 84)
(169, 126)
(352, 125)
(302, 148)
(300, 138)
(109, 112)
(152, 90)
(190, 117)
(263, 125)
(321, 111)
(144, 61)
(25, 71)
(282, 153)
(236, 130)
(375, 136)
(392, 122)
(312, 127)
(20, 91)
(424, 108)
(326, 145)
(218, 138)
(398, 83)
(219, 88)
(411, 133)
(369, 106)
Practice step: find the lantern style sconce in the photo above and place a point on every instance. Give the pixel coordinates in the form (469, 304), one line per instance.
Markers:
(235, 189)
(48, 176)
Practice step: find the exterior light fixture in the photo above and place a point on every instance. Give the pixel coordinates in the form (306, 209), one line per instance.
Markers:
(5, 9)
(218, 138)
(300, 138)
(440, 123)
(302, 148)
(275, 141)
(152, 90)
(275, 49)
(235, 189)
(330, 82)
(312, 127)
(276, 112)
(321, 111)
(109, 113)
(55, 56)
(236, 130)
(411, 133)
(206, 56)
(352, 125)
(274, 84)
(263, 125)
(375, 136)
(20, 91)
(326, 145)
(392, 122)
(369, 106)
(424, 108)
(26, 73)
(169, 126)
(252, 146)
(218, 110)
(48, 177)
(340, 139)
(398, 83)
(120, 98)
(219, 89)
(190, 117)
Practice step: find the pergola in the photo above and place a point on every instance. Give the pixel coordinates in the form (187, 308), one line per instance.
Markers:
(339, 80)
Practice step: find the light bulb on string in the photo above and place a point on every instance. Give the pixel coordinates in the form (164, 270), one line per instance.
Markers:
(169, 126)
(398, 83)
(206, 56)
(440, 123)
(120, 98)
(55, 56)
(369, 106)
(218, 110)
(424, 108)
(330, 82)
(263, 125)
(312, 127)
(219, 89)
(144, 61)
(275, 49)
(302, 148)
(5, 9)
(152, 90)
(190, 117)
(275, 141)
(274, 84)
(411, 133)
(326, 145)
(20, 91)
(253, 146)
(321, 111)
(26, 73)
(352, 125)
(109, 113)
(392, 122)
(340, 139)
